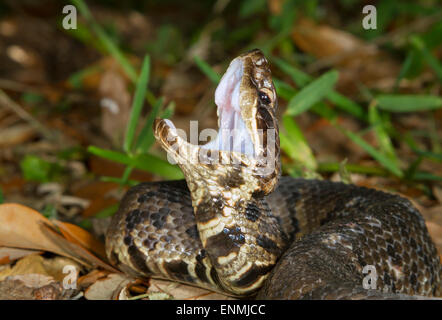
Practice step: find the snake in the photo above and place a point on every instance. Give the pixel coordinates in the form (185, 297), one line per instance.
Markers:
(236, 225)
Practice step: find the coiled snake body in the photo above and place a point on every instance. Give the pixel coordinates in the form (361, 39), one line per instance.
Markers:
(235, 226)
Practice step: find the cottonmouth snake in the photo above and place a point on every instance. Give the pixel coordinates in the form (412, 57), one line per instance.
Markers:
(233, 225)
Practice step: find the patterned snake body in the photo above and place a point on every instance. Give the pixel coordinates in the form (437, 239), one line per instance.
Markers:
(234, 226)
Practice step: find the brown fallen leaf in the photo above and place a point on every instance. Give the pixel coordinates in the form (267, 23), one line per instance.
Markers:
(8, 255)
(354, 58)
(16, 135)
(132, 290)
(115, 104)
(179, 291)
(80, 236)
(101, 195)
(107, 288)
(82, 255)
(435, 231)
(32, 287)
(92, 277)
(20, 227)
(23, 227)
(36, 264)
(275, 6)
(437, 191)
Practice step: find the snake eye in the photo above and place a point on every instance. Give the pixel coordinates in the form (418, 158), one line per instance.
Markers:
(264, 97)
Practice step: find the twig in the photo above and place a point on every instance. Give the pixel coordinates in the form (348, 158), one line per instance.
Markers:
(6, 102)
(17, 86)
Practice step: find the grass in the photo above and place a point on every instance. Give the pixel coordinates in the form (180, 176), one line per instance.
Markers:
(312, 93)
(135, 152)
(137, 105)
(408, 103)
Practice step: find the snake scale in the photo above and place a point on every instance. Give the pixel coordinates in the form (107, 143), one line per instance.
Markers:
(235, 225)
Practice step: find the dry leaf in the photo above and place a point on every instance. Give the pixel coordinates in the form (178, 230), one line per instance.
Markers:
(82, 255)
(80, 236)
(7, 255)
(115, 103)
(23, 227)
(356, 60)
(16, 135)
(134, 290)
(275, 6)
(101, 195)
(435, 231)
(437, 191)
(36, 264)
(90, 278)
(32, 286)
(107, 288)
(180, 291)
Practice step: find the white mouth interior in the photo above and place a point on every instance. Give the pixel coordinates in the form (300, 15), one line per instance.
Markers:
(232, 134)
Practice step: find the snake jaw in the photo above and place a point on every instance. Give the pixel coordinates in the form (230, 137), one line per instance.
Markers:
(248, 132)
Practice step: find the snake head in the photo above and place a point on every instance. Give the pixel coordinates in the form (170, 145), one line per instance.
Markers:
(248, 137)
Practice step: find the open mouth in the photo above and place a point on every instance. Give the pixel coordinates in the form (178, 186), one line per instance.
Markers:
(232, 135)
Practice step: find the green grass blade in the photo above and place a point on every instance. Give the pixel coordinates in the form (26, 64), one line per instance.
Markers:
(129, 182)
(412, 168)
(295, 145)
(76, 79)
(430, 155)
(153, 164)
(422, 175)
(419, 44)
(312, 93)
(405, 68)
(283, 89)
(381, 134)
(146, 162)
(302, 79)
(109, 154)
(107, 212)
(353, 168)
(146, 137)
(126, 174)
(323, 110)
(106, 41)
(137, 104)
(83, 34)
(168, 111)
(207, 70)
(347, 105)
(110, 47)
(381, 158)
(299, 77)
(408, 103)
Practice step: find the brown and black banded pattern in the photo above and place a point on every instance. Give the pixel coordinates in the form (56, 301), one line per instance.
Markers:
(354, 227)
(160, 235)
(231, 228)
(346, 228)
